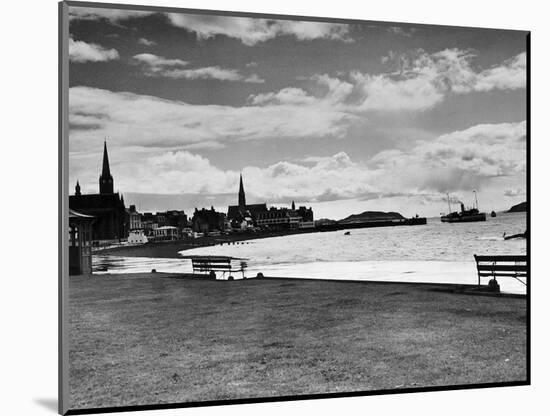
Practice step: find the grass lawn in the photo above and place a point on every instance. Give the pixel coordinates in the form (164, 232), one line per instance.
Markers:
(149, 338)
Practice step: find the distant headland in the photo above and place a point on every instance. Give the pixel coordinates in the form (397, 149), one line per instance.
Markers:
(372, 216)
(521, 207)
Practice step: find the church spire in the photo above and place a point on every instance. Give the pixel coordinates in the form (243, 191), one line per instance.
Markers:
(105, 179)
(242, 198)
(105, 171)
(77, 188)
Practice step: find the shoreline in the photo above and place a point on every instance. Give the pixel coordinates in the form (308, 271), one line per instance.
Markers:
(171, 249)
(161, 249)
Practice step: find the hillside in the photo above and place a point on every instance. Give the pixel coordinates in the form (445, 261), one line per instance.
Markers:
(521, 207)
(372, 216)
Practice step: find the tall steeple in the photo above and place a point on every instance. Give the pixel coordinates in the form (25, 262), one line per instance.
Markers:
(77, 189)
(242, 198)
(106, 185)
(293, 206)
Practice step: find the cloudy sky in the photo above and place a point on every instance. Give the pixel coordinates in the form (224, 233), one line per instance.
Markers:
(341, 117)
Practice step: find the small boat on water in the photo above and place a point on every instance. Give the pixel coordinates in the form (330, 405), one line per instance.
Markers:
(465, 215)
(347, 233)
(493, 214)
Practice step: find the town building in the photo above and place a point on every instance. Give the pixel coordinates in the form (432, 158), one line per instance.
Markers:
(305, 213)
(137, 237)
(148, 223)
(177, 219)
(278, 218)
(166, 233)
(244, 216)
(160, 219)
(206, 221)
(243, 212)
(106, 207)
(134, 219)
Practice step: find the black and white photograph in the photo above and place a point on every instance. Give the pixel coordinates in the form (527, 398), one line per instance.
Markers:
(265, 207)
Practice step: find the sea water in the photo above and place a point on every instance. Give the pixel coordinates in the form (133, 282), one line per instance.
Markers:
(435, 252)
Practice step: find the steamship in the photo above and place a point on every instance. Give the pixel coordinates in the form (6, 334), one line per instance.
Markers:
(465, 215)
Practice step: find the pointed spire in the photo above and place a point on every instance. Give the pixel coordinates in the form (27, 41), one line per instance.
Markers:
(77, 188)
(293, 206)
(242, 197)
(105, 171)
(106, 184)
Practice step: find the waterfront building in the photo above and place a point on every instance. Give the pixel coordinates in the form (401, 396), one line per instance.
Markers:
(278, 218)
(134, 218)
(166, 233)
(106, 207)
(305, 213)
(137, 237)
(244, 216)
(286, 218)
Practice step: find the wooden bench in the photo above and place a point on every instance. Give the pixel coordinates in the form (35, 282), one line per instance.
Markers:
(502, 266)
(224, 264)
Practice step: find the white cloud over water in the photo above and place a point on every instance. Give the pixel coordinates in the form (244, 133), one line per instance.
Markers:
(487, 157)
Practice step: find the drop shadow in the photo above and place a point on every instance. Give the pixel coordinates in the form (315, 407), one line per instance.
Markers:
(49, 404)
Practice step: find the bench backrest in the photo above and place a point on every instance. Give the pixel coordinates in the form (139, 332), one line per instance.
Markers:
(503, 266)
(206, 264)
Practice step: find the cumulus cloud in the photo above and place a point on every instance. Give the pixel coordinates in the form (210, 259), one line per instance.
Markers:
(414, 82)
(254, 79)
(249, 31)
(113, 15)
(385, 93)
(514, 192)
(457, 161)
(483, 157)
(159, 66)
(331, 94)
(510, 75)
(402, 31)
(421, 80)
(156, 63)
(146, 42)
(150, 121)
(80, 51)
(284, 96)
